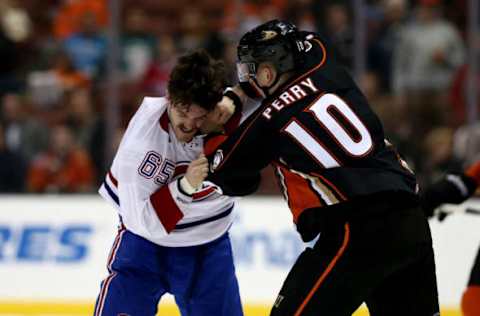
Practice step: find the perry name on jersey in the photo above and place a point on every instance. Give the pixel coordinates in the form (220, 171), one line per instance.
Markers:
(143, 183)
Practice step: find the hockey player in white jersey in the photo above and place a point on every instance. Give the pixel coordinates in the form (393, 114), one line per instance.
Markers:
(173, 233)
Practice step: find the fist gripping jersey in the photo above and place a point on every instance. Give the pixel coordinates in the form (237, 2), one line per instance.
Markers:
(143, 184)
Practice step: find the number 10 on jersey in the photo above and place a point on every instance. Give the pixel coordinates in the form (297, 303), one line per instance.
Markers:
(322, 110)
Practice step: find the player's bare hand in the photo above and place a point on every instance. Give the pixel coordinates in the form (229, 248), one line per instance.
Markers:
(197, 171)
(219, 116)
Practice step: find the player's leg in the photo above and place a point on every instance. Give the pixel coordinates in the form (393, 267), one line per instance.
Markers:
(347, 264)
(409, 291)
(214, 289)
(324, 280)
(471, 296)
(133, 287)
(410, 287)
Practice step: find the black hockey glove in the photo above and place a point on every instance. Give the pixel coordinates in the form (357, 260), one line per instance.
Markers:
(453, 189)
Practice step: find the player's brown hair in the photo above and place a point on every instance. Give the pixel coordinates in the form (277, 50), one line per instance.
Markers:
(197, 78)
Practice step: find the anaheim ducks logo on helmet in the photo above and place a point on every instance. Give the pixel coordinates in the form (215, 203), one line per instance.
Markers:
(268, 35)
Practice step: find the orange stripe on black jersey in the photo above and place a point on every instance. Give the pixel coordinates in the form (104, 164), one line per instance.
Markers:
(299, 192)
(323, 276)
(324, 190)
(324, 58)
(327, 192)
(325, 181)
(474, 172)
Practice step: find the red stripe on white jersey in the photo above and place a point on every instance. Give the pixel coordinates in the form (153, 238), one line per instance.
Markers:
(112, 179)
(203, 193)
(166, 209)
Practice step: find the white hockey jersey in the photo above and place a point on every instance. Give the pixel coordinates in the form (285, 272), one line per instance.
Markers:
(143, 184)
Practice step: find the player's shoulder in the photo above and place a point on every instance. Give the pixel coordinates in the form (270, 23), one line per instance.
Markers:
(153, 104)
(315, 46)
(322, 65)
(150, 110)
(147, 115)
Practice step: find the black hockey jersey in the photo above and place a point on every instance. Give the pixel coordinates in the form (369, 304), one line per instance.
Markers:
(320, 134)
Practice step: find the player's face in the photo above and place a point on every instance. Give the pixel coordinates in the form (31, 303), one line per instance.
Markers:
(186, 120)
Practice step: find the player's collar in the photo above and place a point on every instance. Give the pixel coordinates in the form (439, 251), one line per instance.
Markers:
(164, 121)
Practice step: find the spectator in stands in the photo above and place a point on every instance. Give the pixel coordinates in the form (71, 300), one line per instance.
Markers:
(382, 43)
(12, 168)
(429, 51)
(239, 17)
(15, 20)
(69, 15)
(46, 87)
(87, 127)
(381, 102)
(466, 143)
(9, 55)
(154, 81)
(339, 29)
(87, 47)
(67, 76)
(302, 14)
(15, 28)
(438, 155)
(427, 55)
(193, 30)
(138, 45)
(24, 135)
(230, 59)
(393, 117)
(458, 95)
(65, 167)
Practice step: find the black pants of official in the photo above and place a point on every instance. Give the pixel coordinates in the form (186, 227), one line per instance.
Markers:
(385, 261)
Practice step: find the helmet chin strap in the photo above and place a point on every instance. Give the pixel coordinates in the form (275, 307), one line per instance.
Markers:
(252, 89)
(255, 91)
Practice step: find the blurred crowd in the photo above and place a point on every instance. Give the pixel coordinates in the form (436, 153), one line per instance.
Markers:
(53, 76)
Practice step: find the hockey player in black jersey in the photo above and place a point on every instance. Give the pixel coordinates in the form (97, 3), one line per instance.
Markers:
(340, 178)
(455, 189)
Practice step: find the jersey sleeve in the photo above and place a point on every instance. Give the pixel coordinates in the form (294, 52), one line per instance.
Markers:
(241, 114)
(236, 163)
